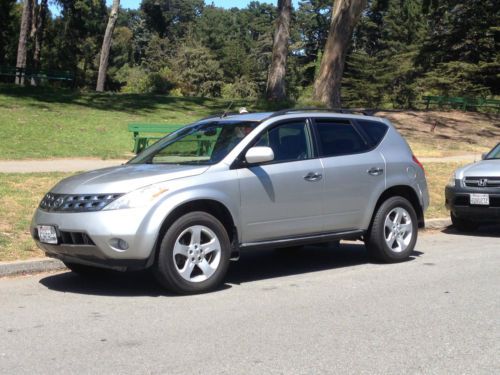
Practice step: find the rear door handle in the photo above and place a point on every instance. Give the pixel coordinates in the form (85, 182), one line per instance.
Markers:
(375, 171)
(313, 176)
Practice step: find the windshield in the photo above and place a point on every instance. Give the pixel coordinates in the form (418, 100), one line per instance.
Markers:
(494, 154)
(199, 144)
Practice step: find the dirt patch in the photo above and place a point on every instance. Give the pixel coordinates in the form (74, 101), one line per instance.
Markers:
(446, 133)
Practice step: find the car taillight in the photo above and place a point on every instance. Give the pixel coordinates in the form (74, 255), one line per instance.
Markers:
(419, 163)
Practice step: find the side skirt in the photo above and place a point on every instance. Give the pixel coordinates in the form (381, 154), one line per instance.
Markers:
(303, 240)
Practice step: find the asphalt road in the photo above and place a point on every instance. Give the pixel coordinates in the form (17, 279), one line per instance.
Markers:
(314, 311)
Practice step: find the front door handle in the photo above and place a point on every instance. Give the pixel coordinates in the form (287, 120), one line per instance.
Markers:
(313, 176)
(375, 171)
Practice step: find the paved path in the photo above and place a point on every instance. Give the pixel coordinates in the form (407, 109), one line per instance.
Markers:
(77, 165)
(56, 165)
(314, 311)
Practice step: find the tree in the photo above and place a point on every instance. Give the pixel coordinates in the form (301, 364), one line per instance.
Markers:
(460, 54)
(106, 45)
(345, 15)
(39, 30)
(9, 26)
(276, 79)
(22, 48)
(171, 18)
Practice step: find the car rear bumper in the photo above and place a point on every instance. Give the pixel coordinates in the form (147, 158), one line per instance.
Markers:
(458, 202)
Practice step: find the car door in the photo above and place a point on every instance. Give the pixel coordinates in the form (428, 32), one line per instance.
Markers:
(354, 172)
(282, 198)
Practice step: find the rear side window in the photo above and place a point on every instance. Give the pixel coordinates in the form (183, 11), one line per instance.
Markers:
(375, 130)
(339, 138)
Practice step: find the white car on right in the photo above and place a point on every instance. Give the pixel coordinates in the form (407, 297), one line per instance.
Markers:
(473, 193)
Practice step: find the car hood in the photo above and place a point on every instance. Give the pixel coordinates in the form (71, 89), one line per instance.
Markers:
(124, 178)
(483, 168)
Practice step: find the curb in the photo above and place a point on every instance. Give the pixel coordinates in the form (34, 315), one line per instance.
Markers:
(24, 267)
(437, 223)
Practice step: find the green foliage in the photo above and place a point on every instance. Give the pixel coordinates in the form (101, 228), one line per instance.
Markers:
(242, 88)
(197, 71)
(400, 49)
(171, 18)
(462, 42)
(136, 80)
(9, 30)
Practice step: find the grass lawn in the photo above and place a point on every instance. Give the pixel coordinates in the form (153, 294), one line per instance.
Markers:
(49, 123)
(438, 175)
(19, 196)
(21, 193)
(46, 123)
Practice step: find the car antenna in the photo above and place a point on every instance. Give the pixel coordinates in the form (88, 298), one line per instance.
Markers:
(227, 110)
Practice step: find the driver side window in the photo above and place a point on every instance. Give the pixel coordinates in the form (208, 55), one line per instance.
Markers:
(290, 141)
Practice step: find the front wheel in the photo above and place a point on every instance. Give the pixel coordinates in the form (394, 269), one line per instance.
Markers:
(194, 254)
(393, 232)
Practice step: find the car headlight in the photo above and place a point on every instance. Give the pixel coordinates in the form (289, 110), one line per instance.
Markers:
(451, 181)
(138, 198)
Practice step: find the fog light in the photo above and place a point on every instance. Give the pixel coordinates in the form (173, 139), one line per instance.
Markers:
(118, 243)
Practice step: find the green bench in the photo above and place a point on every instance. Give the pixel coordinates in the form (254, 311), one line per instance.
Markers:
(462, 103)
(49, 75)
(144, 134)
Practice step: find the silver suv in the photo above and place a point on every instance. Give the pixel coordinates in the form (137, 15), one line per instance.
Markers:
(191, 202)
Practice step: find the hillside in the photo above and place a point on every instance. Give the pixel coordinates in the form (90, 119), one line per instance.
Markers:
(44, 123)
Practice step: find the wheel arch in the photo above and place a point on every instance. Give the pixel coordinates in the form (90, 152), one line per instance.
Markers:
(208, 205)
(406, 192)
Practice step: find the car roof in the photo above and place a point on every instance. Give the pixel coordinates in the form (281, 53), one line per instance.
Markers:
(261, 116)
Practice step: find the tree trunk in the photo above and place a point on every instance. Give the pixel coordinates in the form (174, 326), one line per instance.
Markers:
(106, 45)
(22, 46)
(39, 33)
(345, 15)
(276, 79)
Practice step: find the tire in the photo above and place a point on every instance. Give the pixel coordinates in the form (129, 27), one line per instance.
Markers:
(394, 230)
(463, 225)
(85, 271)
(186, 262)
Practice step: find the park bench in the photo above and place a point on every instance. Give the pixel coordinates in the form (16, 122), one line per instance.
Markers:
(462, 103)
(49, 75)
(144, 134)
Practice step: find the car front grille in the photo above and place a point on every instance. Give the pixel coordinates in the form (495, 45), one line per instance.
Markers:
(76, 203)
(482, 182)
(69, 238)
(75, 238)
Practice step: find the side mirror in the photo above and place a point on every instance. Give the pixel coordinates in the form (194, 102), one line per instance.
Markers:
(483, 156)
(259, 155)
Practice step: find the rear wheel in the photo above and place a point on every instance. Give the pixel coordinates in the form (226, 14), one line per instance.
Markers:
(194, 254)
(393, 232)
(463, 225)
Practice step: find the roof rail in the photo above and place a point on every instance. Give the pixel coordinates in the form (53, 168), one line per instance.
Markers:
(365, 112)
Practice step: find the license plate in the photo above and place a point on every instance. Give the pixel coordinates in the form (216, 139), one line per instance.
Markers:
(47, 234)
(480, 199)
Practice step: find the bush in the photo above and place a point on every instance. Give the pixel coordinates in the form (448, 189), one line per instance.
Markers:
(139, 81)
(242, 88)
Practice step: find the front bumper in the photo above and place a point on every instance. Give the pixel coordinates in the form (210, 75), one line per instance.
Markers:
(87, 237)
(458, 202)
